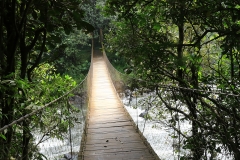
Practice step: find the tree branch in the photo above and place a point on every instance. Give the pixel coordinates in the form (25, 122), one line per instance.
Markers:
(24, 16)
(38, 58)
(130, 7)
(37, 33)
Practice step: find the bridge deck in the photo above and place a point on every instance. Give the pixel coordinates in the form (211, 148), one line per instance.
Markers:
(110, 133)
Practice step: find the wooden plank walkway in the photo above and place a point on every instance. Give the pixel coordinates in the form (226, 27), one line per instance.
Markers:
(110, 133)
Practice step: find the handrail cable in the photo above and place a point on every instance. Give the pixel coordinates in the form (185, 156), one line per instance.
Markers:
(41, 108)
(46, 105)
(170, 86)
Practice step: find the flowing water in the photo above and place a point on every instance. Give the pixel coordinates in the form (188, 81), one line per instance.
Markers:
(157, 133)
(56, 149)
(160, 135)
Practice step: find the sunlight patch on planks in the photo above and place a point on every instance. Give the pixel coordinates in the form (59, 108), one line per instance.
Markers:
(110, 134)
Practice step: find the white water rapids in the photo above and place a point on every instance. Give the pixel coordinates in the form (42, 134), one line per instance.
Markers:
(158, 134)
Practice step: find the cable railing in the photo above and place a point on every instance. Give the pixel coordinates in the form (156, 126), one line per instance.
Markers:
(55, 130)
(164, 119)
(119, 80)
(162, 113)
(162, 116)
(89, 86)
(55, 127)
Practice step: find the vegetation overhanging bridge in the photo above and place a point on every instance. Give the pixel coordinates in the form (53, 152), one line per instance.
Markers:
(110, 132)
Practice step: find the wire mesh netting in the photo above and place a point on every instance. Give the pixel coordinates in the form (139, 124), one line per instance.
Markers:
(167, 124)
(66, 147)
(69, 145)
(166, 131)
(52, 131)
(179, 122)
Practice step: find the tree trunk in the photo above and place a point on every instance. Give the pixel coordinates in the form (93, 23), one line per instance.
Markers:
(198, 149)
(8, 96)
(180, 52)
(26, 140)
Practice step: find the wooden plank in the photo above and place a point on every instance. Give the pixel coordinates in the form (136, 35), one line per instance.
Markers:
(120, 155)
(98, 140)
(123, 129)
(117, 150)
(96, 117)
(107, 111)
(109, 125)
(106, 136)
(103, 121)
(93, 150)
(110, 133)
(116, 145)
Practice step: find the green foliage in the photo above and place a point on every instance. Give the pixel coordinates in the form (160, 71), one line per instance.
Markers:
(117, 61)
(48, 85)
(2, 136)
(94, 14)
(188, 44)
(54, 120)
(72, 56)
(29, 32)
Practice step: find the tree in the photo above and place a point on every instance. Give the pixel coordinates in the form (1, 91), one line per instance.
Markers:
(71, 56)
(173, 42)
(26, 28)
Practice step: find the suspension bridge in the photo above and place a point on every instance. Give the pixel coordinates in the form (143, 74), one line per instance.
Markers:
(106, 130)
(110, 132)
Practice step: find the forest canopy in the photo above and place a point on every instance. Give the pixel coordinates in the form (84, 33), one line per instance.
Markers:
(33, 39)
(187, 52)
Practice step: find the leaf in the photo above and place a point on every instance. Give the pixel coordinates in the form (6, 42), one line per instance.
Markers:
(34, 14)
(56, 38)
(86, 26)
(188, 146)
(67, 77)
(51, 27)
(77, 16)
(67, 29)
(157, 27)
(3, 137)
(237, 6)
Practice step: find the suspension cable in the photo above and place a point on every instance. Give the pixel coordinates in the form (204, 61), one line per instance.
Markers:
(39, 108)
